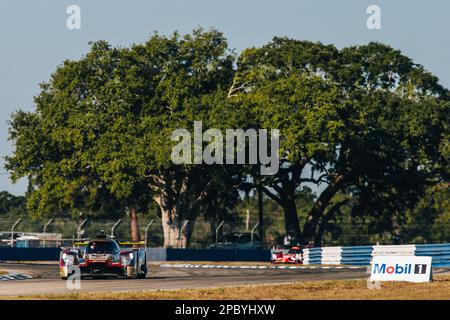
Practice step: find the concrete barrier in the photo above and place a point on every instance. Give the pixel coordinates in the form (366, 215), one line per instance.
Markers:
(156, 254)
(363, 255)
(29, 254)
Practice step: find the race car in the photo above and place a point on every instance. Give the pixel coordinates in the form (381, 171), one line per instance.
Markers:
(294, 255)
(104, 257)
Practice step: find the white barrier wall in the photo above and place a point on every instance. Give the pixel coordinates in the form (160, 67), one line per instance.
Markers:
(403, 250)
(363, 255)
(331, 255)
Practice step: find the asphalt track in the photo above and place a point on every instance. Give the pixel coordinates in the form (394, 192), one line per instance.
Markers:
(48, 282)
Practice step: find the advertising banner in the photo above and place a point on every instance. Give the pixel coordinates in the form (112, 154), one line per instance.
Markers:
(401, 268)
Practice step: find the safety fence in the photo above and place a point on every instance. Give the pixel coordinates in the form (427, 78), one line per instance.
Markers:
(206, 233)
(363, 255)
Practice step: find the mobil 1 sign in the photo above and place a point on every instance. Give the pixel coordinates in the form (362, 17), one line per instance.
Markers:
(401, 268)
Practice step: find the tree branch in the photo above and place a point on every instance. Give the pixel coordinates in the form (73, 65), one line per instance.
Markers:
(271, 195)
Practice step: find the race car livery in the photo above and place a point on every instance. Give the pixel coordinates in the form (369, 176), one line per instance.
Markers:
(104, 257)
(294, 256)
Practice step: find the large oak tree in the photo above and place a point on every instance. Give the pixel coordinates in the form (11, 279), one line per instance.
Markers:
(364, 119)
(101, 130)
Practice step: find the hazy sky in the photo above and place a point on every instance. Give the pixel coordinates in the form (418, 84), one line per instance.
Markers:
(34, 38)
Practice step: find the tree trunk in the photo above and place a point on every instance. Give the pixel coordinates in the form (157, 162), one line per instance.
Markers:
(310, 226)
(175, 236)
(134, 225)
(326, 219)
(290, 217)
(179, 207)
(286, 200)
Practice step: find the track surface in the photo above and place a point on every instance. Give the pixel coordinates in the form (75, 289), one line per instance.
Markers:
(162, 279)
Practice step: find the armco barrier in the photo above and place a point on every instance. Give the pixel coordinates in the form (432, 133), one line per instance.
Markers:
(363, 255)
(439, 252)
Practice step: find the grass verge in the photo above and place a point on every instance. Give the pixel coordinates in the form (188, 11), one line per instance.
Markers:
(317, 290)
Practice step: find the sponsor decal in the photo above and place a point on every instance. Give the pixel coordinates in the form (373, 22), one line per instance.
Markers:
(98, 257)
(401, 268)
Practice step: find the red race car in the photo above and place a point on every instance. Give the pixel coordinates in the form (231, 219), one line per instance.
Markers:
(294, 256)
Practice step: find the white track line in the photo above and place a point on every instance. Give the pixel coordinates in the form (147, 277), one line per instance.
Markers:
(207, 266)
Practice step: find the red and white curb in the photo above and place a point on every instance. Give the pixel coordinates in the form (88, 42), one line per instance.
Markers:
(207, 266)
(14, 276)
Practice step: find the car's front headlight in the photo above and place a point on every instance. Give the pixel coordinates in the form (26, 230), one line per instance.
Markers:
(68, 259)
(115, 258)
(126, 259)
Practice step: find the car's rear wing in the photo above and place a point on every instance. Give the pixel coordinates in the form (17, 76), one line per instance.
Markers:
(77, 245)
(81, 244)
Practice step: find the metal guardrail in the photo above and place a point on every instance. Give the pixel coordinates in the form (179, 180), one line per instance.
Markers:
(363, 255)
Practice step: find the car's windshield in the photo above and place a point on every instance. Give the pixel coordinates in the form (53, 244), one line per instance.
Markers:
(102, 247)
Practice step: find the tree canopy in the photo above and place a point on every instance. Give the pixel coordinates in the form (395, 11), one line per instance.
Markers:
(364, 122)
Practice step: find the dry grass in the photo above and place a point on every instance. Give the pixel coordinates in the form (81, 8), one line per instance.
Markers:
(3, 272)
(321, 290)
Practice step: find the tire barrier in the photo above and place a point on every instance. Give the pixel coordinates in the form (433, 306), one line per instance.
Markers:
(362, 255)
